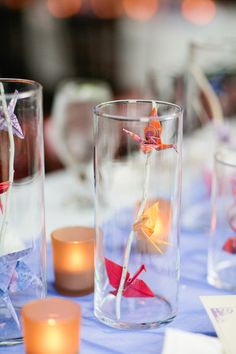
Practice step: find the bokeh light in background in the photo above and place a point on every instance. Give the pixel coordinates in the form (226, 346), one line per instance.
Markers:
(199, 12)
(63, 8)
(142, 10)
(107, 9)
(16, 4)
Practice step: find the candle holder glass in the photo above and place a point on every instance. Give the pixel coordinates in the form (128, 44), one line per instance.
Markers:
(22, 238)
(137, 200)
(222, 245)
(73, 259)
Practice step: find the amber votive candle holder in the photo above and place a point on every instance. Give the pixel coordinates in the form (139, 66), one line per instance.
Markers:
(51, 326)
(73, 259)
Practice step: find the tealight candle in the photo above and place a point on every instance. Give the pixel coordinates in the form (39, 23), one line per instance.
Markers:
(73, 258)
(51, 326)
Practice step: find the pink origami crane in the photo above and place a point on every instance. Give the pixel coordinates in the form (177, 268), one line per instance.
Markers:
(133, 287)
(152, 133)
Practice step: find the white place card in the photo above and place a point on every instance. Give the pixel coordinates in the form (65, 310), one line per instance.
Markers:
(222, 313)
(180, 342)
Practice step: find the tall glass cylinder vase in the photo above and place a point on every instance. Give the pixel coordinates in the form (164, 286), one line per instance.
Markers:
(222, 245)
(22, 235)
(137, 197)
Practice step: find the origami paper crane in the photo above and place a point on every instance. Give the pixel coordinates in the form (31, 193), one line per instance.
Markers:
(16, 276)
(8, 265)
(230, 245)
(150, 226)
(152, 136)
(3, 188)
(133, 287)
(14, 121)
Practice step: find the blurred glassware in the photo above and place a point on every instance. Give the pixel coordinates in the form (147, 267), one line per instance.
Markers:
(222, 245)
(73, 130)
(165, 86)
(22, 227)
(208, 124)
(138, 226)
(211, 82)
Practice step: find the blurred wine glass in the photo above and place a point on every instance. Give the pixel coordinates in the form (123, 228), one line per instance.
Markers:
(73, 131)
(211, 82)
(209, 121)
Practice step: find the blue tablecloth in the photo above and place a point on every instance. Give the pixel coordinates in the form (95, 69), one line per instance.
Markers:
(97, 338)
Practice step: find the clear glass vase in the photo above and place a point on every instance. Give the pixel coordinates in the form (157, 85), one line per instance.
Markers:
(22, 235)
(222, 245)
(137, 199)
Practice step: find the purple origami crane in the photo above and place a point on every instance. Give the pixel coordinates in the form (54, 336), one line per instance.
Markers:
(16, 276)
(14, 121)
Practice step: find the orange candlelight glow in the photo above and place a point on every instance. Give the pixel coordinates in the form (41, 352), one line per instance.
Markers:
(107, 9)
(142, 10)
(199, 12)
(51, 326)
(63, 8)
(73, 257)
(154, 226)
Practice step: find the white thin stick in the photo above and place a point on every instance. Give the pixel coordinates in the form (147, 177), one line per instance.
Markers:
(205, 86)
(11, 165)
(131, 236)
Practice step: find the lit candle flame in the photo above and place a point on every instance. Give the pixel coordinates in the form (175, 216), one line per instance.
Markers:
(154, 225)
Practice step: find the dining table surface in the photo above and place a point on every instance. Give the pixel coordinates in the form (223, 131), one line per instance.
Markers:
(62, 209)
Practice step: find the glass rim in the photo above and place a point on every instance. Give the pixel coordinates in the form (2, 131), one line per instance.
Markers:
(219, 158)
(35, 87)
(89, 239)
(97, 112)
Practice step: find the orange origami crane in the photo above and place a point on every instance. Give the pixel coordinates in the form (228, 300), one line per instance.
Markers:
(153, 228)
(152, 133)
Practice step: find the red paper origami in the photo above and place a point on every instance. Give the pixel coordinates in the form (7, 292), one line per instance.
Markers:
(230, 245)
(152, 133)
(133, 286)
(3, 188)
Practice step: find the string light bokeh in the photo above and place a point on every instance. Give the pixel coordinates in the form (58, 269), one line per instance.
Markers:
(63, 8)
(199, 12)
(142, 10)
(196, 12)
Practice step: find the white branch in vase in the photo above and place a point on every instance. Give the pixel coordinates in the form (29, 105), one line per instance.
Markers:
(131, 236)
(146, 146)
(150, 143)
